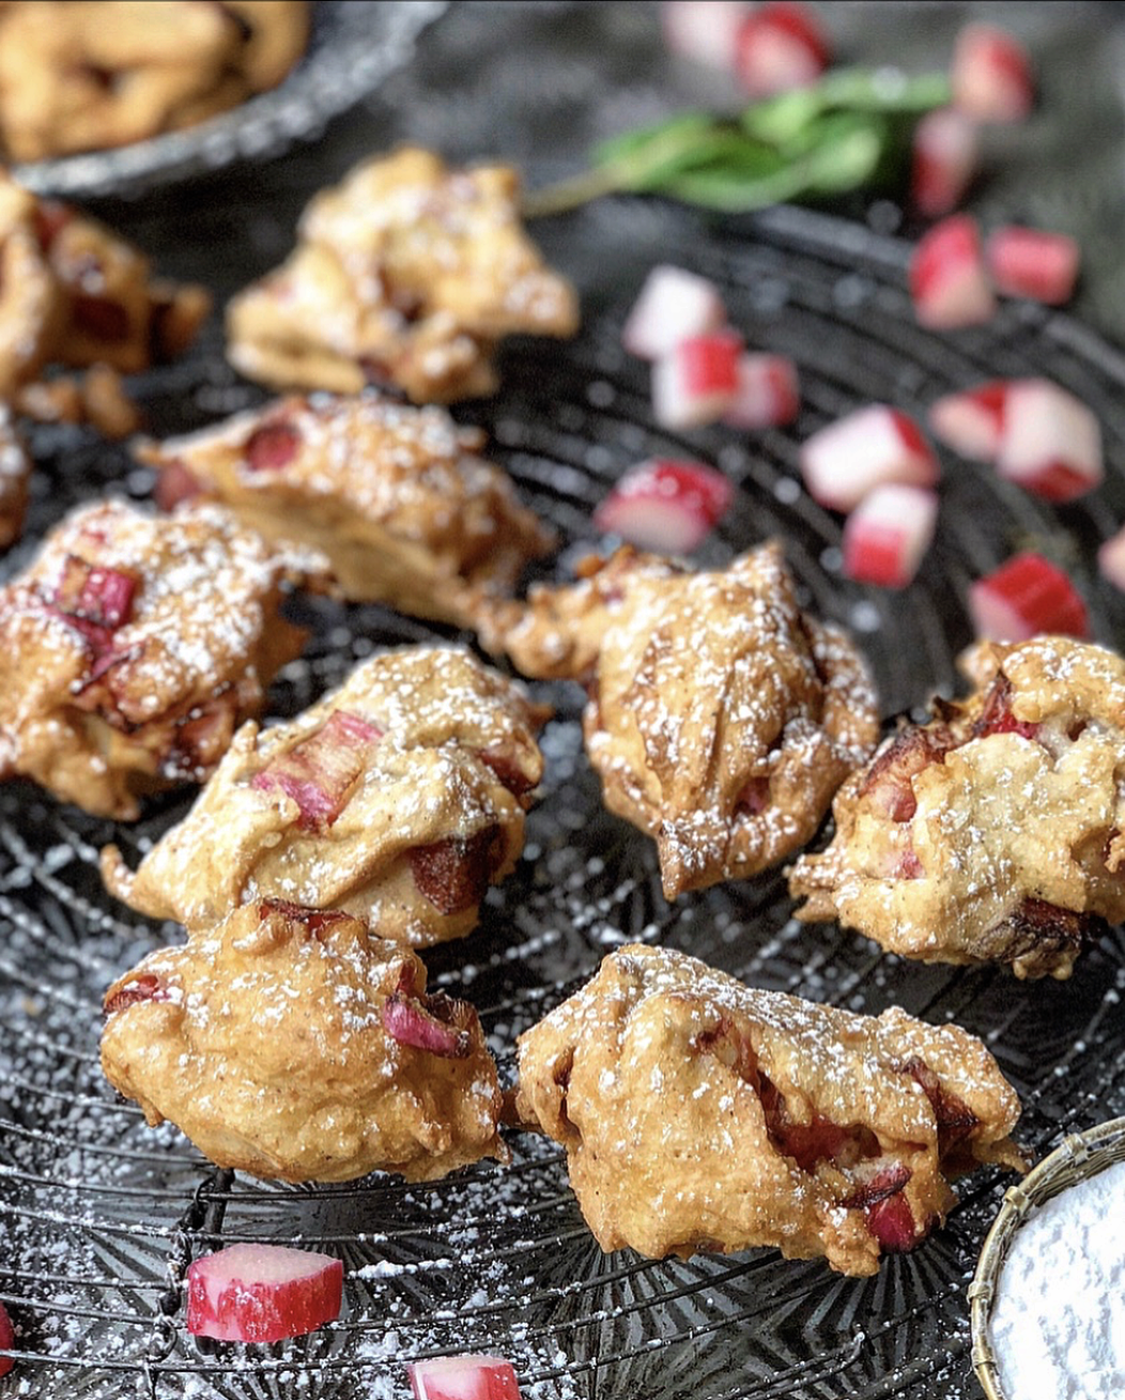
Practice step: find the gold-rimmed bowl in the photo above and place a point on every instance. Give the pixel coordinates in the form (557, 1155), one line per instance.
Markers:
(1079, 1157)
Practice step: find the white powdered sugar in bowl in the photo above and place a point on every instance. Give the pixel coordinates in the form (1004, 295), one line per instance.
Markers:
(1057, 1325)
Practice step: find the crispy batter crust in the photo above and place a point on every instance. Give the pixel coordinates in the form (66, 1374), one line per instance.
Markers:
(994, 832)
(102, 704)
(397, 497)
(722, 718)
(267, 1040)
(407, 272)
(404, 822)
(697, 1113)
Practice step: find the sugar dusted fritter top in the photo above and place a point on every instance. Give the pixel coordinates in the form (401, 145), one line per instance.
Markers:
(399, 498)
(399, 797)
(993, 833)
(722, 717)
(407, 272)
(700, 1114)
(291, 1044)
(133, 645)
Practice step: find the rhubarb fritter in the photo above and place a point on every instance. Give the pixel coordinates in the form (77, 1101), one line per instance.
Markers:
(722, 718)
(397, 497)
(76, 294)
(994, 832)
(80, 76)
(699, 1114)
(398, 798)
(134, 645)
(291, 1044)
(407, 273)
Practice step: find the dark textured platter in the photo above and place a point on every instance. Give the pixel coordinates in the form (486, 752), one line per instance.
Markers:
(98, 1215)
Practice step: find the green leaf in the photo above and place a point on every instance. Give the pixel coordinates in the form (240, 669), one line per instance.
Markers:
(885, 91)
(682, 126)
(849, 131)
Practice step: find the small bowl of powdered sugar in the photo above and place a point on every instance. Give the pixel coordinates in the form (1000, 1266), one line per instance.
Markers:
(1048, 1299)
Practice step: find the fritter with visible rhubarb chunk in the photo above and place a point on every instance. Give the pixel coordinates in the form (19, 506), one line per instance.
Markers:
(133, 647)
(398, 498)
(699, 1114)
(291, 1044)
(407, 273)
(722, 718)
(995, 832)
(399, 798)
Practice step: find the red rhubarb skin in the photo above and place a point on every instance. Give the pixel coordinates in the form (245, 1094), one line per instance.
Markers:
(475, 1378)
(244, 1310)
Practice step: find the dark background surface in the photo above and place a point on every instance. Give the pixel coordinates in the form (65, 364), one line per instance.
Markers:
(92, 1204)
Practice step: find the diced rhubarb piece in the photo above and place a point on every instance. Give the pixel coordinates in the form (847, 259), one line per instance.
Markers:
(778, 47)
(754, 798)
(175, 483)
(874, 445)
(316, 921)
(262, 1293)
(703, 30)
(944, 160)
(664, 505)
(673, 305)
(891, 1221)
(51, 216)
(954, 1118)
(1026, 262)
(272, 446)
(1026, 596)
(809, 1143)
(888, 533)
(453, 874)
(1111, 559)
(318, 772)
(876, 1181)
(1051, 443)
(949, 284)
(767, 395)
(997, 716)
(144, 987)
(426, 1022)
(695, 382)
(889, 782)
(505, 764)
(7, 1341)
(464, 1378)
(907, 866)
(972, 422)
(95, 594)
(991, 75)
